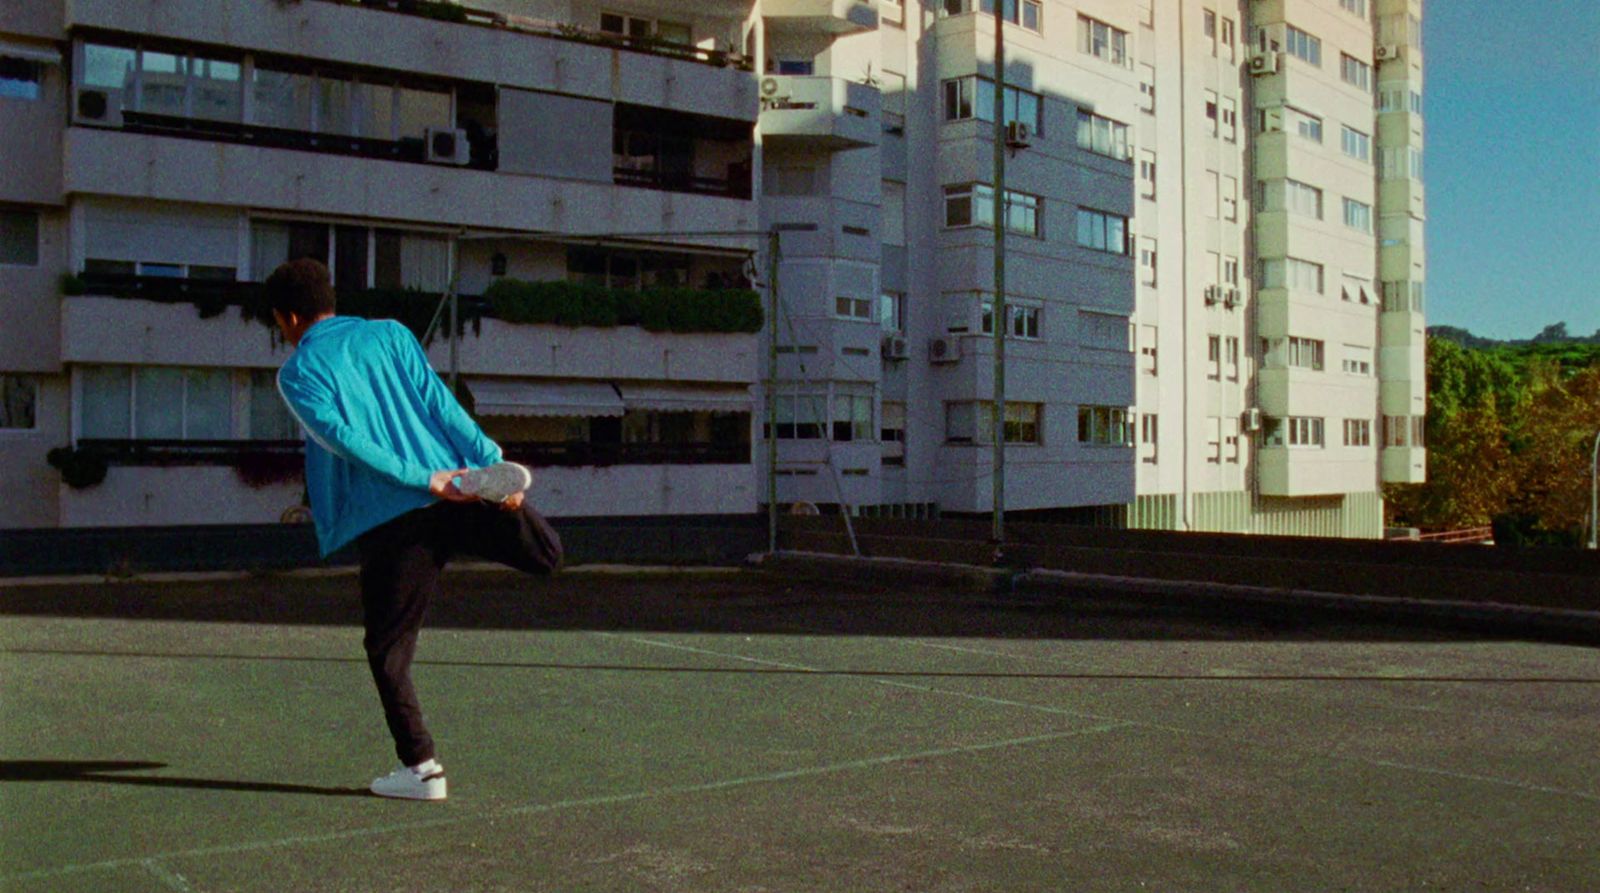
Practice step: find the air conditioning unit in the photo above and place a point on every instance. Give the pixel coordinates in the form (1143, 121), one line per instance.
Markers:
(1250, 420)
(944, 350)
(1018, 135)
(1264, 63)
(1385, 52)
(774, 92)
(1230, 298)
(894, 347)
(447, 145)
(1213, 293)
(99, 106)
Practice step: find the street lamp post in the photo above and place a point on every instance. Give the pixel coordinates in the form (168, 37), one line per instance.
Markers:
(997, 315)
(1594, 494)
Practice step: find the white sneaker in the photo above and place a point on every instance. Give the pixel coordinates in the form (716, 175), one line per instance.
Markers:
(406, 783)
(496, 482)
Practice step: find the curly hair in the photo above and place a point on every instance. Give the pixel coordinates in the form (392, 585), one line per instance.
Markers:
(302, 287)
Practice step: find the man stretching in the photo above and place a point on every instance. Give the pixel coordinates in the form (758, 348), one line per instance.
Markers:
(394, 463)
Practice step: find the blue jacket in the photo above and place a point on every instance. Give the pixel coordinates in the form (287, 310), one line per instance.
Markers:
(379, 422)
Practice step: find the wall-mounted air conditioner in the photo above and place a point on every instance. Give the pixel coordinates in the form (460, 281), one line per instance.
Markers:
(1386, 52)
(97, 106)
(1250, 420)
(447, 145)
(894, 347)
(1213, 294)
(1230, 298)
(1018, 135)
(1264, 63)
(944, 350)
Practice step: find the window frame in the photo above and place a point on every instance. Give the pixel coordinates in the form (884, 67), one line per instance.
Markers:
(38, 236)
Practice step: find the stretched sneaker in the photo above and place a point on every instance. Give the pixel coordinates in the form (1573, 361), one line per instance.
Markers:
(425, 782)
(495, 482)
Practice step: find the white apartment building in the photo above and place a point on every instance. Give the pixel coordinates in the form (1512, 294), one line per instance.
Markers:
(1214, 320)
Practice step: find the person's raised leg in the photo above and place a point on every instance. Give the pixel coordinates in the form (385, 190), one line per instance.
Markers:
(522, 538)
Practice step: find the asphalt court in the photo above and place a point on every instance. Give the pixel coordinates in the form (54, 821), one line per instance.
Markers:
(737, 732)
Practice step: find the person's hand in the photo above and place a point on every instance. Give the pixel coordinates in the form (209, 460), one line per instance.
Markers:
(511, 503)
(442, 484)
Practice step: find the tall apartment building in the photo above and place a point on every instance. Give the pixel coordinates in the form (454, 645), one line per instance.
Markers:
(1213, 247)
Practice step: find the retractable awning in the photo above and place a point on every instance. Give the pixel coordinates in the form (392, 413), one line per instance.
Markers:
(572, 399)
(33, 52)
(685, 398)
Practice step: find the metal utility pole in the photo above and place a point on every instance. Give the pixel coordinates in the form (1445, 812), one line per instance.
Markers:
(772, 398)
(1594, 495)
(998, 314)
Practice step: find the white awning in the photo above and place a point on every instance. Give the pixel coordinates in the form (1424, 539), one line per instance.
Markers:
(33, 52)
(685, 398)
(572, 399)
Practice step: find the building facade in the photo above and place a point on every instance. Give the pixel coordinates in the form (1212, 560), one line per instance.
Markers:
(1212, 214)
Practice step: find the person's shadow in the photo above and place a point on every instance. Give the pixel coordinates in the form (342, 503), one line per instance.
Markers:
(105, 771)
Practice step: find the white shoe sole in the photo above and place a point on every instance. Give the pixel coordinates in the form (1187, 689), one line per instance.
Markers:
(496, 482)
(409, 789)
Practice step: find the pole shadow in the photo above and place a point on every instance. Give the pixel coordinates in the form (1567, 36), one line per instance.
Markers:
(109, 772)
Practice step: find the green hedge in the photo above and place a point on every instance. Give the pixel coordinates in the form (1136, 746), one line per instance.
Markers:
(681, 310)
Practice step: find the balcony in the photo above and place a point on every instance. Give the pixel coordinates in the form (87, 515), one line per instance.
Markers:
(1291, 471)
(826, 16)
(1405, 465)
(823, 112)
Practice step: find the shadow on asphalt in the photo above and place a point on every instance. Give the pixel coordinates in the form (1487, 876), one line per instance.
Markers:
(738, 603)
(110, 772)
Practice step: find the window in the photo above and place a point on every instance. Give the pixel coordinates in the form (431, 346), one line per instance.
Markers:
(1356, 144)
(1147, 260)
(1304, 123)
(1230, 119)
(852, 416)
(156, 403)
(1024, 319)
(1227, 35)
(634, 26)
(19, 238)
(1305, 353)
(1149, 432)
(19, 403)
(1212, 113)
(1147, 88)
(1230, 440)
(1396, 430)
(892, 311)
(892, 427)
(973, 97)
(972, 204)
(1402, 297)
(19, 78)
(1231, 353)
(1214, 357)
(357, 256)
(1214, 440)
(1147, 350)
(799, 412)
(1416, 102)
(1292, 196)
(1101, 231)
(1358, 216)
(1291, 272)
(1230, 271)
(1208, 25)
(1104, 331)
(1102, 41)
(1355, 7)
(1355, 72)
(1104, 426)
(1211, 196)
(796, 67)
(1356, 289)
(1302, 45)
(972, 421)
(1026, 13)
(1399, 163)
(852, 308)
(1147, 173)
(1294, 431)
(1230, 198)
(1357, 432)
(1357, 360)
(1103, 136)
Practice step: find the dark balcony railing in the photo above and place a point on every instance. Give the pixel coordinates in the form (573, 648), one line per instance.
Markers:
(671, 181)
(164, 453)
(467, 15)
(580, 454)
(484, 152)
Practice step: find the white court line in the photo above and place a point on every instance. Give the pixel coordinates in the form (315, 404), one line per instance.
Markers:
(149, 861)
(167, 876)
(1061, 711)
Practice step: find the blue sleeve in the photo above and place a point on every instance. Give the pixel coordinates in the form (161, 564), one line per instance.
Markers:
(475, 447)
(313, 405)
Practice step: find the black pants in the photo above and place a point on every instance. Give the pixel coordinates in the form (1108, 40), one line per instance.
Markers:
(400, 565)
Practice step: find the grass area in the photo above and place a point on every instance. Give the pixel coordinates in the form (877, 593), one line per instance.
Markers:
(735, 732)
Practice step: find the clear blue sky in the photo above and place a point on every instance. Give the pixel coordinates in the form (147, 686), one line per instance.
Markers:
(1512, 139)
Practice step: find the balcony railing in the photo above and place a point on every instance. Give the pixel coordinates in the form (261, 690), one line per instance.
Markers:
(674, 181)
(580, 454)
(466, 15)
(483, 149)
(240, 453)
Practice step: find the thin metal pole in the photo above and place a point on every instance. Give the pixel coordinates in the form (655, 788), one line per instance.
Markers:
(998, 315)
(772, 398)
(455, 339)
(1594, 495)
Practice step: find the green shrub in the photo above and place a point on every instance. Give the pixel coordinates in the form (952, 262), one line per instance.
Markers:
(73, 285)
